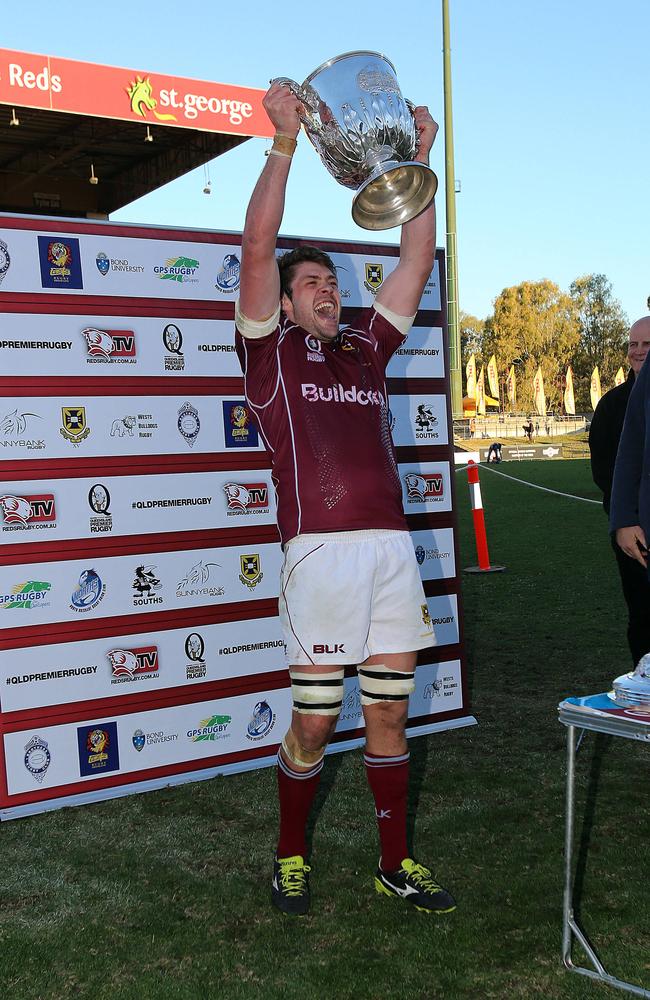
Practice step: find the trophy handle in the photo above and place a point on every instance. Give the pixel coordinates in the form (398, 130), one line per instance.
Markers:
(307, 97)
(411, 106)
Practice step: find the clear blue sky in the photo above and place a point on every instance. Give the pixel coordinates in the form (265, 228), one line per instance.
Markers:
(551, 119)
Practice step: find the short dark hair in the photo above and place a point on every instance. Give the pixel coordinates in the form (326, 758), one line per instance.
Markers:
(288, 262)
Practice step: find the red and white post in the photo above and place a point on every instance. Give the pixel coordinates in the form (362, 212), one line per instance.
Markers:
(479, 524)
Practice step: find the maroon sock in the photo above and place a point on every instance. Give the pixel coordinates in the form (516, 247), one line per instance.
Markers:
(296, 791)
(388, 779)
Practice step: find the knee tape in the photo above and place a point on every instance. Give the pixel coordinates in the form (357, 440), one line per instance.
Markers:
(298, 754)
(317, 694)
(381, 683)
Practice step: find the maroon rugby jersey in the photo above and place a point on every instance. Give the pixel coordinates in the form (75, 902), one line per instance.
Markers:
(322, 411)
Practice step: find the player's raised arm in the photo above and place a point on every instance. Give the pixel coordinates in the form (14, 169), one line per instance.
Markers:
(402, 290)
(260, 282)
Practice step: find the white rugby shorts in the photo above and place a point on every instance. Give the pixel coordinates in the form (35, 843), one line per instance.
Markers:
(347, 595)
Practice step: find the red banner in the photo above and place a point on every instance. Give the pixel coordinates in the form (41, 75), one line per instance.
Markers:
(36, 81)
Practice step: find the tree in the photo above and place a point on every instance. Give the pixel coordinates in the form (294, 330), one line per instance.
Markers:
(533, 324)
(603, 334)
(471, 335)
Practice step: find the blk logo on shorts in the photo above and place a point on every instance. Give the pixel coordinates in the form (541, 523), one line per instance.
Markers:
(324, 648)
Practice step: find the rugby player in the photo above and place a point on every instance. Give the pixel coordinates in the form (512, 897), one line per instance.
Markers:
(350, 589)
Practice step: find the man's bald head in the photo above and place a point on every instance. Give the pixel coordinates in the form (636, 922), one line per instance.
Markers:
(639, 343)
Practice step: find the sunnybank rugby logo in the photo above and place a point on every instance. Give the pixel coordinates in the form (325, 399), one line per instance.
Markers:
(142, 100)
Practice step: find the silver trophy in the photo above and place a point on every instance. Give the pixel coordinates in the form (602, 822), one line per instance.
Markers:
(633, 689)
(364, 132)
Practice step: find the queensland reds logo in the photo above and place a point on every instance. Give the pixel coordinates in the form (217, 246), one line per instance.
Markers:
(420, 488)
(109, 344)
(252, 496)
(128, 662)
(20, 510)
(238, 496)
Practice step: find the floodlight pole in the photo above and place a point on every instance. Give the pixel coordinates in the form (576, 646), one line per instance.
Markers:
(455, 375)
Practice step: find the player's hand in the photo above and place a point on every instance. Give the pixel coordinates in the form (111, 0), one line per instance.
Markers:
(283, 108)
(427, 130)
(633, 543)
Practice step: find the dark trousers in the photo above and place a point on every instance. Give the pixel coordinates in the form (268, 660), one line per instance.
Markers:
(636, 591)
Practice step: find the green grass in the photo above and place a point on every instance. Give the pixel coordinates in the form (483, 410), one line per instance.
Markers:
(166, 895)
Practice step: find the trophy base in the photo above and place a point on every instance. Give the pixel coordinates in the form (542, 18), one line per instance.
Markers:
(394, 196)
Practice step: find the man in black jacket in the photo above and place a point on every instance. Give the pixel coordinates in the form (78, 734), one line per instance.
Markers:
(604, 435)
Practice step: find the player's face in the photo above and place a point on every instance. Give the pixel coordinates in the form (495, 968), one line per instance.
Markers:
(639, 344)
(315, 303)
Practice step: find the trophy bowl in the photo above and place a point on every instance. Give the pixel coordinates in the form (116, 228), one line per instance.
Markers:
(364, 132)
(633, 689)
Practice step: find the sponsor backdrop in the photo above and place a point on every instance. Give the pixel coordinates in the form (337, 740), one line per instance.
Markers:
(139, 640)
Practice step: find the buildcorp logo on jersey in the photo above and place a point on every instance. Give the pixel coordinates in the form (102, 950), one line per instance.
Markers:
(339, 394)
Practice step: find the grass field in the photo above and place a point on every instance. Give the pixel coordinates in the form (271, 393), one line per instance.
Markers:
(166, 895)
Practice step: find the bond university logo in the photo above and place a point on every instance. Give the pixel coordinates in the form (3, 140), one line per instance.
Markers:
(109, 345)
(251, 570)
(5, 260)
(75, 428)
(143, 102)
(228, 276)
(103, 264)
(374, 277)
(30, 512)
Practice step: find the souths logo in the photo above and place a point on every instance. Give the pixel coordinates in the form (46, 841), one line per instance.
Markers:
(239, 431)
(75, 428)
(145, 586)
(423, 488)
(314, 348)
(251, 570)
(181, 269)
(13, 431)
(374, 277)
(133, 664)
(60, 262)
(89, 593)
(99, 500)
(249, 498)
(98, 749)
(211, 729)
(196, 583)
(425, 423)
(140, 92)
(194, 651)
(5, 260)
(173, 341)
(31, 594)
(188, 423)
(261, 723)
(109, 345)
(339, 394)
(228, 276)
(37, 757)
(33, 511)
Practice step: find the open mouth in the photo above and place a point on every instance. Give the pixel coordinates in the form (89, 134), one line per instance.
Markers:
(326, 310)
